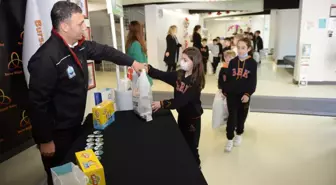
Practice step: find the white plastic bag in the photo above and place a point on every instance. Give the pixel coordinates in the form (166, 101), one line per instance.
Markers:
(220, 112)
(256, 56)
(123, 100)
(142, 97)
(68, 174)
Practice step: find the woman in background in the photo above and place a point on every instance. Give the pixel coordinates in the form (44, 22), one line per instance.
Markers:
(173, 49)
(135, 44)
(196, 38)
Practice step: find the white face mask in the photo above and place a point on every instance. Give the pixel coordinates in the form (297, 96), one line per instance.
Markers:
(184, 65)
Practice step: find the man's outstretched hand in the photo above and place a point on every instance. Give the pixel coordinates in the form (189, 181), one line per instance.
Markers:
(137, 66)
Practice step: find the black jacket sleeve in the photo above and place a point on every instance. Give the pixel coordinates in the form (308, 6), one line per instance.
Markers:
(97, 51)
(168, 77)
(228, 77)
(181, 98)
(252, 80)
(42, 84)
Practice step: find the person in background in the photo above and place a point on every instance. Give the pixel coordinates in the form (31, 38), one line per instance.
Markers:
(214, 48)
(258, 43)
(196, 37)
(241, 31)
(236, 38)
(228, 56)
(220, 45)
(58, 83)
(227, 45)
(238, 87)
(246, 34)
(232, 41)
(173, 49)
(135, 44)
(188, 84)
(205, 54)
(248, 30)
(251, 37)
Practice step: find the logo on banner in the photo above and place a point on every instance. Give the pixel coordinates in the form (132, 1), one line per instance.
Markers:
(21, 38)
(38, 24)
(25, 124)
(14, 65)
(5, 102)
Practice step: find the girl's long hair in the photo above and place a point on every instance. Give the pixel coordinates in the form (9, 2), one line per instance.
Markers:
(197, 76)
(136, 34)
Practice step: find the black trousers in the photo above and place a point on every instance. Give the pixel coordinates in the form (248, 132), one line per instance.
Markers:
(215, 63)
(63, 140)
(191, 130)
(205, 65)
(171, 67)
(237, 115)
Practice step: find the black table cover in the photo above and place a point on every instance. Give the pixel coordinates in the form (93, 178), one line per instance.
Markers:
(136, 152)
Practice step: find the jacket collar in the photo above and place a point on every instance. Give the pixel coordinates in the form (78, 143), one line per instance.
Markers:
(55, 33)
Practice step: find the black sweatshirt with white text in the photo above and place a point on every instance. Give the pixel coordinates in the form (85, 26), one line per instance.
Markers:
(240, 77)
(187, 95)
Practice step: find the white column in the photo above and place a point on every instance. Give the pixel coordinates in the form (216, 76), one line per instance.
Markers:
(151, 17)
(273, 31)
(122, 31)
(312, 32)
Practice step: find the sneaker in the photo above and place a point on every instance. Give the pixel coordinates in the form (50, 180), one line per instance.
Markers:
(237, 140)
(228, 146)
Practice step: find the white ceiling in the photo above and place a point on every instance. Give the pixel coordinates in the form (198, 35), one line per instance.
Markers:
(252, 5)
(131, 2)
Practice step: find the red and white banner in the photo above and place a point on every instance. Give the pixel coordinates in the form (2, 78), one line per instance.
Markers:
(37, 29)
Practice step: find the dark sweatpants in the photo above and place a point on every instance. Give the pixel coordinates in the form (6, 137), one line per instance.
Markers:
(191, 130)
(63, 140)
(237, 115)
(215, 63)
(205, 65)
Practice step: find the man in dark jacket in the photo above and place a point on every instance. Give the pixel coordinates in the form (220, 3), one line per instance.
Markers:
(59, 82)
(258, 43)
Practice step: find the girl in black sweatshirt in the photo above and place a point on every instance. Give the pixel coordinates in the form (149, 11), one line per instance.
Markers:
(239, 85)
(188, 84)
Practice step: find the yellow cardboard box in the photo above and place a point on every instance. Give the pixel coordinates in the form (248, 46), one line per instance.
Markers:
(92, 168)
(103, 114)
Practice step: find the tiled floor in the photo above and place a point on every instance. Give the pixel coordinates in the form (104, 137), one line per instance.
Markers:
(272, 81)
(277, 149)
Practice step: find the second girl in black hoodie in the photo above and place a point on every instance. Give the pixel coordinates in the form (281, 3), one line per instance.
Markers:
(239, 85)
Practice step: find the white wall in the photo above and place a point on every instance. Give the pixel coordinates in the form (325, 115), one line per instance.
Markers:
(157, 28)
(322, 62)
(330, 64)
(267, 31)
(257, 22)
(286, 32)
